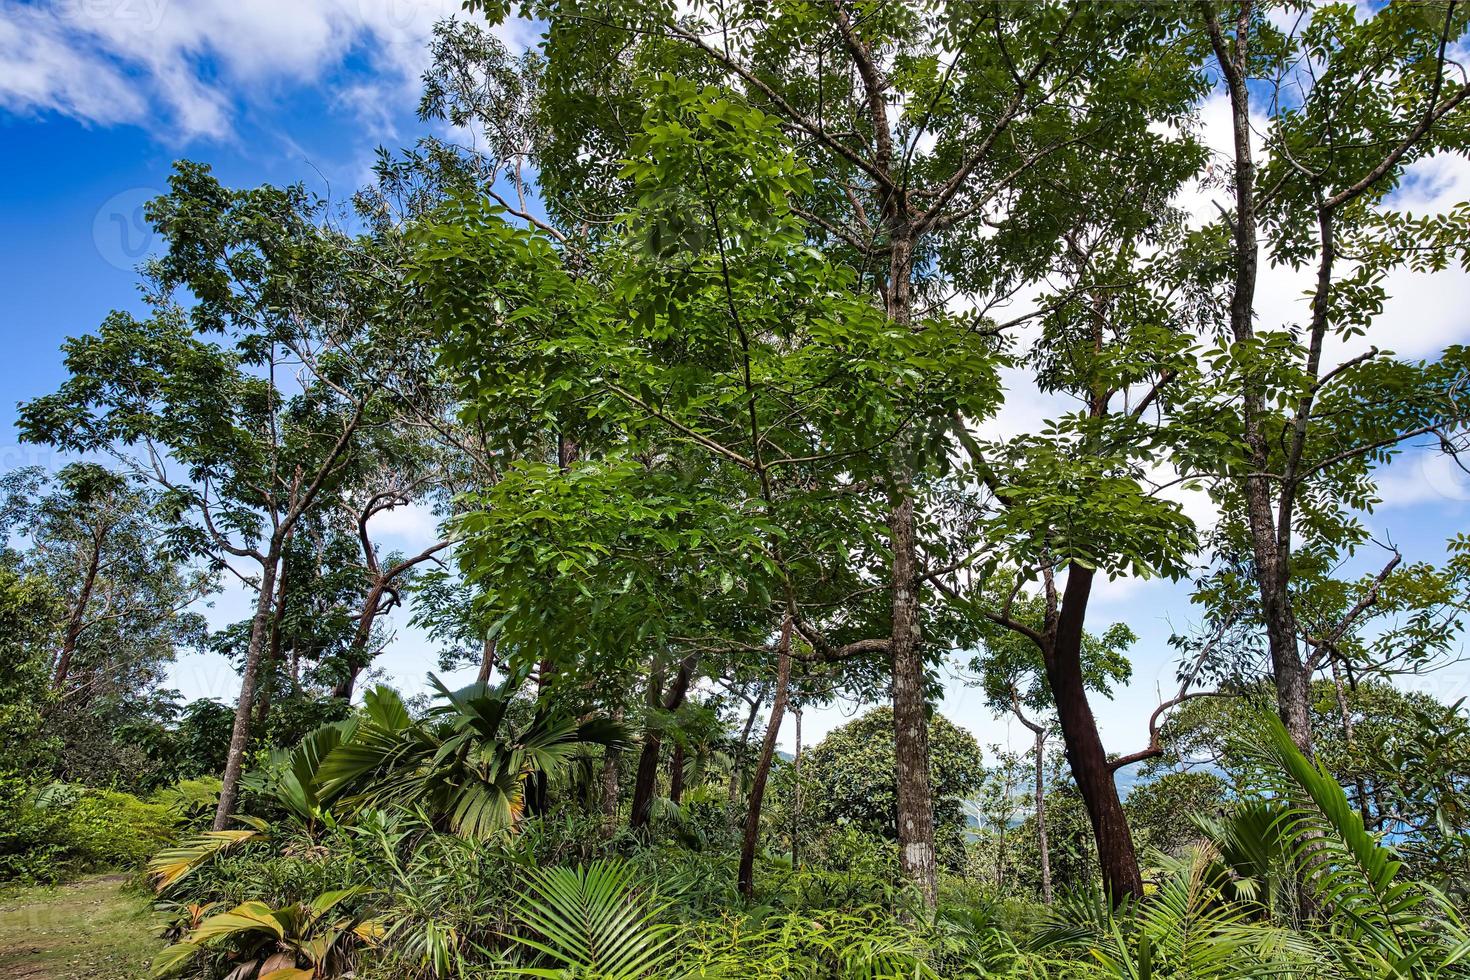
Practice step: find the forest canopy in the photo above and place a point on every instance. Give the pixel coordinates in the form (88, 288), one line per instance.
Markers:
(702, 332)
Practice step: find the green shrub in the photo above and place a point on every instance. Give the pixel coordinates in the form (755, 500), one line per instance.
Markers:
(109, 829)
(52, 832)
(33, 839)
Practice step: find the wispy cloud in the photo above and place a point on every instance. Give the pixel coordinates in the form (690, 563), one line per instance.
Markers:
(182, 70)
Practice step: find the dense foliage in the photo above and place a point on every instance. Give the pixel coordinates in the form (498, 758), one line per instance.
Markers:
(701, 362)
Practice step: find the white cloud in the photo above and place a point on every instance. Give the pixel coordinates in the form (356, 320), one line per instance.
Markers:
(414, 525)
(181, 68)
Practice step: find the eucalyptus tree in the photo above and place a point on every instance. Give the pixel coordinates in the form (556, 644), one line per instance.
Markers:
(928, 130)
(1330, 109)
(104, 545)
(243, 407)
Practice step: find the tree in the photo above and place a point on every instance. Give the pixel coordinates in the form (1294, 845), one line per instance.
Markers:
(105, 546)
(1165, 811)
(1012, 671)
(853, 776)
(691, 367)
(917, 162)
(1398, 758)
(1309, 415)
(243, 436)
(30, 618)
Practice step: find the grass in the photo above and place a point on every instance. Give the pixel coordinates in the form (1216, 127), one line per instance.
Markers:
(96, 928)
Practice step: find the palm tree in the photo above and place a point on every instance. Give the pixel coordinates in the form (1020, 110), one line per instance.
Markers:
(465, 765)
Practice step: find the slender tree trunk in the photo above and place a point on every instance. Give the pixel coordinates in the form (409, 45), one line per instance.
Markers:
(487, 660)
(1085, 754)
(266, 687)
(1041, 842)
(1271, 554)
(611, 771)
(361, 634)
(737, 768)
(676, 774)
(77, 617)
(240, 735)
(746, 878)
(1346, 713)
(796, 794)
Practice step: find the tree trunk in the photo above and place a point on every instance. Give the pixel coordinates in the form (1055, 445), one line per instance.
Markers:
(1272, 557)
(676, 774)
(611, 770)
(1346, 713)
(272, 659)
(737, 768)
(796, 794)
(1085, 754)
(77, 617)
(746, 878)
(915, 817)
(645, 784)
(360, 636)
(487, 660)
(240, 735)
(1041, 842)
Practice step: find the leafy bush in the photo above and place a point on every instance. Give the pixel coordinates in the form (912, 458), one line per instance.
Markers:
(33, 839)
(117, 830)
(853, 773)
(48, 833)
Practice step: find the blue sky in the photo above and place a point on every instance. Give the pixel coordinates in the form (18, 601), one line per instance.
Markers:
(99, 97)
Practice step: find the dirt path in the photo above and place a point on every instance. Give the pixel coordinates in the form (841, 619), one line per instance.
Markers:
(96, 928)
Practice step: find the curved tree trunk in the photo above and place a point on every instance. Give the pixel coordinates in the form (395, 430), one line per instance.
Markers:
(746, 878)
(77, 617)
(360, 636)
(1085, 754)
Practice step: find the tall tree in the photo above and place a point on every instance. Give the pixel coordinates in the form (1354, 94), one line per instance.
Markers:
(1012, 671)
(243, 407)
(1343, 100)
(916, 161)
(106, 549)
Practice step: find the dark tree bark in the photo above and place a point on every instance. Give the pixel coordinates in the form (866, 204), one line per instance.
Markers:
(1085, 753)
(676, 774)
(272, 658)
(382, 596)
(645, 784)
(746, 877)
(77, 616)
(487, 660)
